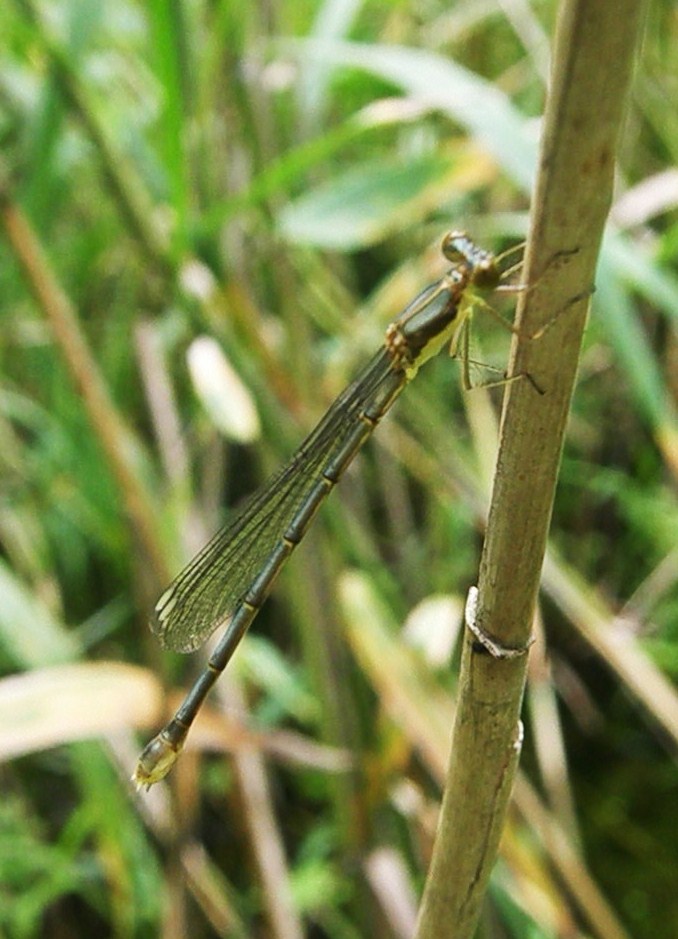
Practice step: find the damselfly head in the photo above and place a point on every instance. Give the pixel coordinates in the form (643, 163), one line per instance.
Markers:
(480, 266)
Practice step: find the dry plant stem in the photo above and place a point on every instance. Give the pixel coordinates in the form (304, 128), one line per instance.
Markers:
(594, 909)
(114, 436)
(162, 405)
(422, 711)
(593, 58)
(263, 834)
(624, 656)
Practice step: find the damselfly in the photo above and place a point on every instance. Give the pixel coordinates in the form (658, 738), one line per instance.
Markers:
(228, 581)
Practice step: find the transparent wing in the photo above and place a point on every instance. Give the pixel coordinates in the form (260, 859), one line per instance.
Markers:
(209, 588)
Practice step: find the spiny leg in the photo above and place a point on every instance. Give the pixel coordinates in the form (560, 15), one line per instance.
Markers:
(461, 349)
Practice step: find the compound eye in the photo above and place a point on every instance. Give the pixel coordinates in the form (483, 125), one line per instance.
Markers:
(456, 246)
(486, 273)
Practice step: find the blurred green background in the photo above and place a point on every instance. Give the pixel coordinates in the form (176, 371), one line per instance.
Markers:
(211, 211)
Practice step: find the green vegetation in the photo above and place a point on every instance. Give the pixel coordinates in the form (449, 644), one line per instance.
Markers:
(278, 178)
